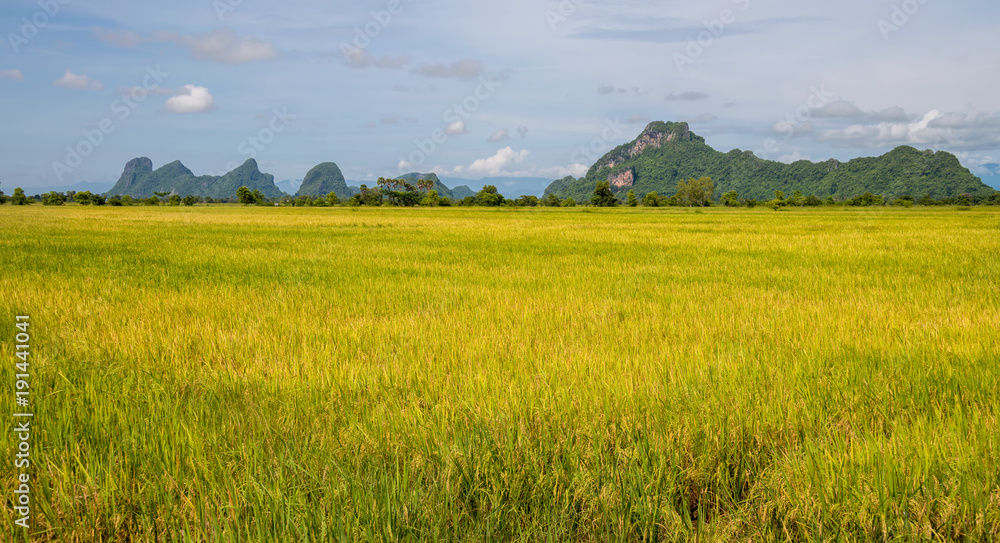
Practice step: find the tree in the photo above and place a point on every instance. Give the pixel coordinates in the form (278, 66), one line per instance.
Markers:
(730, 199)
(695, 192)
(175, 200)
(19, 199)
(52, 199)
(332, 199)
(190, 200)
(115, 201)
(651, 199)
(550, 200)
(569, 202)
(489, 197)
(245, 196)
(425, 184)
(432, 199)
(603, 197)
(526, 200)
(127, 200)
(630, 197)
(83, 198)
(813, 201)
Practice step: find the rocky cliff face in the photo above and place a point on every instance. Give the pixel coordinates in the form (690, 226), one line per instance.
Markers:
(623, 179)
(134, 169)
(653, 137)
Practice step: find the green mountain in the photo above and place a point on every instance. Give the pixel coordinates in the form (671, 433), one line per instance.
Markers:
(667, 152)
(324, 179)
(462, 191)
(140, 180)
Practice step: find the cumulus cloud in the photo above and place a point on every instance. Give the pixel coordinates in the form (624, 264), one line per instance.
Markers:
(463, 69)
(71, 80)
(456, 128)
(191, 99)
(221, 45)
(357, 57)
(499, 135)
(957, 131)
(12, 74)
(689, 96)
(492, 166)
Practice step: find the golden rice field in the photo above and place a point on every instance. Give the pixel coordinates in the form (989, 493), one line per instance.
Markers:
(344, 374)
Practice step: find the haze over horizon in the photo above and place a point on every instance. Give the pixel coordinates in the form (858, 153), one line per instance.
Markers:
(487, 89)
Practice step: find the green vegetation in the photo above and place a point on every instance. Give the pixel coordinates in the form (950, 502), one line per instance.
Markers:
(139, 180)
(322, 180)
(667, 153)
(472, 374)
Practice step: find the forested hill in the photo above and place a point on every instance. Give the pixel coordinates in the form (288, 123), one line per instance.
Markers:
(667, 152)
(140, 180)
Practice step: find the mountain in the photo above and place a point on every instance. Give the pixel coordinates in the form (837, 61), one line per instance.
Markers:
(461, 192)
(665, 153)
(140, 180)
(510, 187)
(289, 186)
(322, 180)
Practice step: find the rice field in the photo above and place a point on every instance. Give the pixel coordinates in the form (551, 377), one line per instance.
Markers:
(350, 374)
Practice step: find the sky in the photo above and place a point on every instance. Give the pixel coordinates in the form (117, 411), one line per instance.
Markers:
(518, 88)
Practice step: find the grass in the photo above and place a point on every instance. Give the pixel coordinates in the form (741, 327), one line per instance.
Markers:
(289, 374)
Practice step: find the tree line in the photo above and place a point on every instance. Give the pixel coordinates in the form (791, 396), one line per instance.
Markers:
(397, 192)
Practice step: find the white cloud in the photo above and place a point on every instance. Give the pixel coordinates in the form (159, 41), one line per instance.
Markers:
(221, 45)
(357, 57)
(794, 156)
(456, 128)
(463, 69)
(71, 80)
(954, 131)
(492, 166)
(499, 135)
(12, 74)
(558, 172)
(191, 99)
(224, 45)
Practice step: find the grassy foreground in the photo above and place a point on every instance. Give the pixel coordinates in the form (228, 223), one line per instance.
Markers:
(290, 374)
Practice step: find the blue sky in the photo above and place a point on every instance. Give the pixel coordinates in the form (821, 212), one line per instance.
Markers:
(488, 88)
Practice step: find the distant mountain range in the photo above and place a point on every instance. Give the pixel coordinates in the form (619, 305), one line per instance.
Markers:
(140, 180)
(665, 153)
(655, 161)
